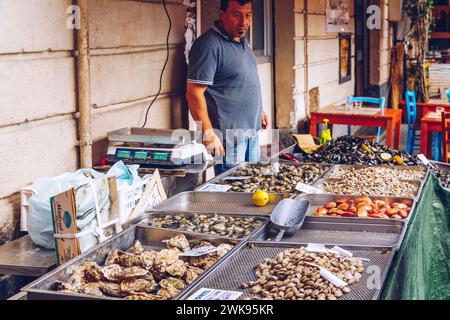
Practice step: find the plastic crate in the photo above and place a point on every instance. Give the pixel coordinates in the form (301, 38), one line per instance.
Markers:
(129, 198)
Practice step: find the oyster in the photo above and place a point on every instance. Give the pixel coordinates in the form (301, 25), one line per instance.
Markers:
(137, 248)
(166, 257)
(177, 269)
(167, 294)
(112, 257)
(91, 288)
(126, 259)
(148, 258)
(132, 272)
(172, 283)
(112, 272)
(179, 242)
(137, 285)
(192, 273)
(112, 289)
(66, 287)
(92, 272)
(204, 262)
(223, 249)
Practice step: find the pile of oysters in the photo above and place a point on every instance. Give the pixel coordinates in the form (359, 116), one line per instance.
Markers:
(143, 275)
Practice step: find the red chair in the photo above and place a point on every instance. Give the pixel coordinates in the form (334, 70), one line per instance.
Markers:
(445, 133)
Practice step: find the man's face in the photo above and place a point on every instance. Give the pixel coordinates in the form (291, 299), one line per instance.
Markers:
(237, 19)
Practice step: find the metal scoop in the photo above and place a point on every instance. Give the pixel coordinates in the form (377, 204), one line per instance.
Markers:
(289, 216)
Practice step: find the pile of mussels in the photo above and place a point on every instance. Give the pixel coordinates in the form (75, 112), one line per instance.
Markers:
(355, 150)
(442, 175)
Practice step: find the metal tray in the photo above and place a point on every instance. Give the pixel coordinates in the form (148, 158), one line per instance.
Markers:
(328, 232)
(239, 268)
(151, 238)
(246, 164)
(335, 168)
(151, 136)
(319, 184)
(319, 200)
(217, 202)
(263, 220)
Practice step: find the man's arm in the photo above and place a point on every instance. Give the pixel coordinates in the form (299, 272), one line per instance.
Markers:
(195, 95)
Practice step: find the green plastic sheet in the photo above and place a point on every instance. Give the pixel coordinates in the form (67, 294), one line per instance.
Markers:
(421, 267)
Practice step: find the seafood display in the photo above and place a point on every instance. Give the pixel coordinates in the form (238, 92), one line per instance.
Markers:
(389, 173)
(225, 226)
(141, 274)
(364, 207)
(370, 186)
(355, 150)
(294, 275)
(280, 180)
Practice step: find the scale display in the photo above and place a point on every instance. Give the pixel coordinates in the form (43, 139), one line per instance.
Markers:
(142, 156)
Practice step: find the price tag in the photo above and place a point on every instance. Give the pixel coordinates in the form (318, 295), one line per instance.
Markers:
(308, 189)
(213, 294)
(202, 251)
(328, 275)
(211, 187)
(424, 159)
(236, 178)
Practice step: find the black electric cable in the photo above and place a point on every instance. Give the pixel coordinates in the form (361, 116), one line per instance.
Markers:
(165, 64)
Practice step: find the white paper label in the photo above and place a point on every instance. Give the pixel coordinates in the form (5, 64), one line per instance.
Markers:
(213, 294)
(424, 159)
(318, 248)
(328, 275)
(202, 251)
(236, 178)
(211, 187)
(342, 252)
(154, 198)
(308, 189)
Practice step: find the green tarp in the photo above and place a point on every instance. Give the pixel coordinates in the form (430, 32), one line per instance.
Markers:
(421, 268)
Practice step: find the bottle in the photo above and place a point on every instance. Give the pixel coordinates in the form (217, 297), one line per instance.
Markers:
(326, 133)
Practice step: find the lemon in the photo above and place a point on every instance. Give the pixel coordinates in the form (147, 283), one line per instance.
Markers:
(260, 198)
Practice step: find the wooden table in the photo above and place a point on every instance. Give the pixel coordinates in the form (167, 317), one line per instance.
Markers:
(430, 106)
(428, 124)
(372, 117)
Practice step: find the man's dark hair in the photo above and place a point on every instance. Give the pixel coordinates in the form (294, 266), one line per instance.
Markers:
(225, 3)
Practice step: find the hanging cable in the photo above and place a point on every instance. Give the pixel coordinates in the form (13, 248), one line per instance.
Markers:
(164, 67)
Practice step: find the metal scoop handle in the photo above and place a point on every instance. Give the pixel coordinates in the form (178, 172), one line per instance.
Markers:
(280, 235)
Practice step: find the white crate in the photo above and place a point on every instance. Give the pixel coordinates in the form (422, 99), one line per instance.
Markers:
(129, 198)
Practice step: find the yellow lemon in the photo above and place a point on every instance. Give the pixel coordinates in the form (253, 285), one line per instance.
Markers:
(260, 198)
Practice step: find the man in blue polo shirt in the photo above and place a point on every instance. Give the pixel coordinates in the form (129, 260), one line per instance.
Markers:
(223, 88)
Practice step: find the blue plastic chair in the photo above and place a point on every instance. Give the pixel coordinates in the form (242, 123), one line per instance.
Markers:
(381, 102)
(448, 94)
(413, 143)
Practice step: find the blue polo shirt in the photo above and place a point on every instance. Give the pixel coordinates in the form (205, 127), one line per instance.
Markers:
(229, 70)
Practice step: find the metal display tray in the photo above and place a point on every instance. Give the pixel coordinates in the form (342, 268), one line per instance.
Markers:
(151, 239)
(246, 164)
(263, 222)
(335, 168)
(319, 184)
(327, 231)
(319, 200)
(151, 136)
(217, 202)
(239, 268)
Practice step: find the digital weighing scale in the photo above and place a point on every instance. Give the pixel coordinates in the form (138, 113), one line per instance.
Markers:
(155, 148)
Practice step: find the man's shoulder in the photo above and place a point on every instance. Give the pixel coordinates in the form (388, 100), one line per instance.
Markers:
(210, 40)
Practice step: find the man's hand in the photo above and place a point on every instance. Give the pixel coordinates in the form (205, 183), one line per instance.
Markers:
(213, 144)
(265, 120)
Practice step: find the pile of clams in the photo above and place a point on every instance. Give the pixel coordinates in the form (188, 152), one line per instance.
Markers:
(266, 178)
(291, 276)
(143, 275)
(225, 226)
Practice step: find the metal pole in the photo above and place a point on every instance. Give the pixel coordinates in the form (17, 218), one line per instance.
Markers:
(84, 102)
